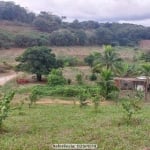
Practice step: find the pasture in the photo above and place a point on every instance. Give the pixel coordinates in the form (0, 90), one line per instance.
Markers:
(58, 120)
(79, 52)
(43, 125)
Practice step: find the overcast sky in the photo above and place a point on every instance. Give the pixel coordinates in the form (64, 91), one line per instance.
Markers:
(131, 11)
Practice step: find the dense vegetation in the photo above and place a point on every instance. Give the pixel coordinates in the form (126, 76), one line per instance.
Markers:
(53, 30)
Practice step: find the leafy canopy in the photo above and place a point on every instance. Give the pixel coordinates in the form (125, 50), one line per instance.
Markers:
(108, 59)
(106, 83)
(37, 60)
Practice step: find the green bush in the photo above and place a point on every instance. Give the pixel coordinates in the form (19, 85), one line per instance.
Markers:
(131, 107)
(79, 78)
(28, 40)
(34, 96)
(6, 40)
(96, 101)
(69, 81)
(5, 106)
(66, 91)
(56, 78)
(83, 97)
(63, 91)
(93, 77)
(63, 37)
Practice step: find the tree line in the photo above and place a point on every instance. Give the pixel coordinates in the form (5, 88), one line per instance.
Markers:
(55, 31)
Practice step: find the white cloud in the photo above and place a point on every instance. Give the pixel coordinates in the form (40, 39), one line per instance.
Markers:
(100, 10)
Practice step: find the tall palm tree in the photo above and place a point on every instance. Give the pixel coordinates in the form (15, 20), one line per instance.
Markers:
(109, 59)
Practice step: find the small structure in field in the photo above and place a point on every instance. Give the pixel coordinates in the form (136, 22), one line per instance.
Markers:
(138, 83)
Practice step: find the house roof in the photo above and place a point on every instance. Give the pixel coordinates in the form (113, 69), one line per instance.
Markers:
(137, 79)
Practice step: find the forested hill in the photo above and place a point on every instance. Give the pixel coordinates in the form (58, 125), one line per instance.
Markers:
(21, 28)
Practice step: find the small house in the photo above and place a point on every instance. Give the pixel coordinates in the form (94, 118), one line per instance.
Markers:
(138, 83)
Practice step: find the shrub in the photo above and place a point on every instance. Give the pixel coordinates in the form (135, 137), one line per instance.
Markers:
(93, 77)
(79, 78)
(69, 81)
(131, 107)
(62, 37)
(66, 91)
(83, 97)
(5, 106)
(70, 92)
(56, 78)
(6, 40)
(63, 91)
(33, 96)
(89, 60)
(22, 40)
(96, 101)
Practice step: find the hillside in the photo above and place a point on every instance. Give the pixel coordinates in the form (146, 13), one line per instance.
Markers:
(21, 28)
(16, 27)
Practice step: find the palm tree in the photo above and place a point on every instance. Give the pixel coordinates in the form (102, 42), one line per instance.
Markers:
(128, 70)
(109, 59)
(106, 83)
(146, 72)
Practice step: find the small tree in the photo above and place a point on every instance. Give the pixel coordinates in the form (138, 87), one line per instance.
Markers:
(56, 78)
(106, 83)
(79, 78)
(96, 101)
(131, 107)
(37, 60)
(33, 97)
(5, 106)
(83, 97)
(92, 58)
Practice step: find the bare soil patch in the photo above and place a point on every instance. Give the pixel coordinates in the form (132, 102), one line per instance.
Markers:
(5, 77)
(47, 101)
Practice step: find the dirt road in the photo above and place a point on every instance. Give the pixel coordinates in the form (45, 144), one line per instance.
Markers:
(46, 101)
(6, 77)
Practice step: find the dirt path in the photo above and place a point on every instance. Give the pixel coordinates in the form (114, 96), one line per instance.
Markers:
(56, 101)
(68, 102)
(7, 77)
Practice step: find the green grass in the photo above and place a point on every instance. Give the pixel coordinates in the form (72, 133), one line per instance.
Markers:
(41, 126)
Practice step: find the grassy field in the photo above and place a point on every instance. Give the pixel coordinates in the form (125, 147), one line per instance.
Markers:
(76, 51)
(43, 125)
